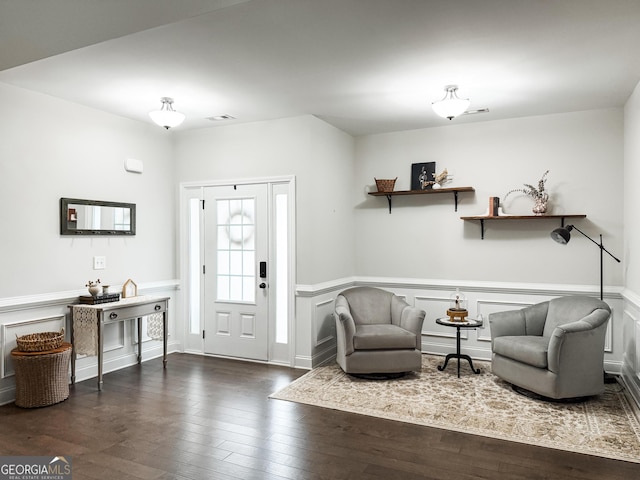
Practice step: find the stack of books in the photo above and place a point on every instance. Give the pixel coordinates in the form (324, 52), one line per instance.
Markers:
(106, 298)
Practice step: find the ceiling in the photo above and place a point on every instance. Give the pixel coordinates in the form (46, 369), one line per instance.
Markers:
(365, 66)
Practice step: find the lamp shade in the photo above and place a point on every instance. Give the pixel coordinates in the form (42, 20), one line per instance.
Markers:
(562, 235)
(167, 117)
(451, 106)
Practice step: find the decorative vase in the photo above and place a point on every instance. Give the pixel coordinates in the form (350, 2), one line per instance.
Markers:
(540, 206)
(94, 290)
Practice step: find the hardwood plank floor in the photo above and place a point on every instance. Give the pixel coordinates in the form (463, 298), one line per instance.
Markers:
(207, 418)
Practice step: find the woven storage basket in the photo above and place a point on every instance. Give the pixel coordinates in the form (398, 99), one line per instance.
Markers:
(40, 342)
(42, 378)
(385, 185)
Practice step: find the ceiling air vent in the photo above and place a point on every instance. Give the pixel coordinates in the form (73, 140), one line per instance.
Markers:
(219, 118)
(474, 112)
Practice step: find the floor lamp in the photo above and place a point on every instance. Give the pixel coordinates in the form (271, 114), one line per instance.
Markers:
(563, 235)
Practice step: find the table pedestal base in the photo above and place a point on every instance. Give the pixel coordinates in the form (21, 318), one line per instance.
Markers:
(459, 357)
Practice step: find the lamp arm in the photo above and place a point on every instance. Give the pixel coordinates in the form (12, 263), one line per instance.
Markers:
(600, 246)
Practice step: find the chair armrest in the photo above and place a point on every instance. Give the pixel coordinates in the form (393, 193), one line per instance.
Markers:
(509, 323)
(578, 343)
(345, 329)
(412, 319)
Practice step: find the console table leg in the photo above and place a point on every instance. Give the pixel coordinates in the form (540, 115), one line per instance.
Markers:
(164, 339)
(100, 349)
(139, 320)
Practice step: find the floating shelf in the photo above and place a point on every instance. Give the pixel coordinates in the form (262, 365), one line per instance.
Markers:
(453, 190)
(482, 218)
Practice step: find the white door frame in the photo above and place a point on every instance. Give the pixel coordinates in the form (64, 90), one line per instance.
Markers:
(193, 343)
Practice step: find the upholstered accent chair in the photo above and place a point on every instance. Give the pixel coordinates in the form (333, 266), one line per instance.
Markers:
(554, 349)
(377, 332)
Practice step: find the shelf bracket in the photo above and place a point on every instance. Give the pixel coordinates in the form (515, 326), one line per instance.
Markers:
(481, 229)
(389, 200)
(455, 199)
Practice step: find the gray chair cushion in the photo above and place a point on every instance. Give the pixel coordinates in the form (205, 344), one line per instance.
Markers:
(529, 349)
(382, 336)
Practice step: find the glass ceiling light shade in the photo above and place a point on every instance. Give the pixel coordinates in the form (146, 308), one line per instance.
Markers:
(450, 106)
(167, 117)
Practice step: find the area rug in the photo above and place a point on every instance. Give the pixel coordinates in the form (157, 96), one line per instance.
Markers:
(482, 404)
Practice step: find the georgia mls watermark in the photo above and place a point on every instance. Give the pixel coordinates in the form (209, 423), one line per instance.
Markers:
(35, 468)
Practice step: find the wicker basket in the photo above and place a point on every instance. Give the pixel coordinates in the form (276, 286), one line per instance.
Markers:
(42, 378)
(40, 342)
(385, 185)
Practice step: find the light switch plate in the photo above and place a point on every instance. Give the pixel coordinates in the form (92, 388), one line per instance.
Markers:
(99, 263)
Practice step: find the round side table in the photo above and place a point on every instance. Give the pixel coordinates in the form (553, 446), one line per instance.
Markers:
(42, 378)
(467, 323)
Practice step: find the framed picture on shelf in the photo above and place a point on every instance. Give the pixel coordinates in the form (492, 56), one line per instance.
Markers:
(129, 289)
(422, 175)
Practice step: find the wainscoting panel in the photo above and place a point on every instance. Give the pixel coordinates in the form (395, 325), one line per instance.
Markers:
(324, 323)
(630, 331)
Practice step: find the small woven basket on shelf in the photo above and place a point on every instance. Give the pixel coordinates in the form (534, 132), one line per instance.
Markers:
(385, 185)
(40, 342)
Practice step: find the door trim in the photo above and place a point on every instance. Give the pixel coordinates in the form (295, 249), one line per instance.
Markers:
(182, 245)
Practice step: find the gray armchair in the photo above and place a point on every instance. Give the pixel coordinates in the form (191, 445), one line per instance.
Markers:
(554, 348)
(377, 332)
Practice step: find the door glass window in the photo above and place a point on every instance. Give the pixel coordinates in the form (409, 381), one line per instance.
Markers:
(236, 272)
(194, 265)
(282, 268)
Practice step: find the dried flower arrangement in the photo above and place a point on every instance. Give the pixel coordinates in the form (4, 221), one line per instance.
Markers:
(533, 192)
(91, 283)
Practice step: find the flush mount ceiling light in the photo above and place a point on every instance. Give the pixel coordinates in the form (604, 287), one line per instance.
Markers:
(167, 117)
(450, 106)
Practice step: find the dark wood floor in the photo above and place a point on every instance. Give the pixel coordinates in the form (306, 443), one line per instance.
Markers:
(206, 418)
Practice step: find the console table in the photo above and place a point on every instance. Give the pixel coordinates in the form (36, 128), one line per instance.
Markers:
(97, 316)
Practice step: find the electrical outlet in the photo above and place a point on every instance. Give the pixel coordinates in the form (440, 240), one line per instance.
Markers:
(99, 263)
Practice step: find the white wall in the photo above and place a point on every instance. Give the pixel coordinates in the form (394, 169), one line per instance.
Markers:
(631, 190)
(631, 332)
(321, 158)
(52, 149)
(425, 238)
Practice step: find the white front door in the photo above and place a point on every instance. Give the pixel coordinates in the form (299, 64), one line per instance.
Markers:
(236, 299)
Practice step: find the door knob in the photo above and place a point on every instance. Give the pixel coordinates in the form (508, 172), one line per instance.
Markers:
(263, 285)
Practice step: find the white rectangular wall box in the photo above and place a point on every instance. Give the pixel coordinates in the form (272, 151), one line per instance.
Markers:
(133, 165)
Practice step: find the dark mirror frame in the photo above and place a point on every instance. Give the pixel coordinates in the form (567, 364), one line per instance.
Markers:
(64, 226)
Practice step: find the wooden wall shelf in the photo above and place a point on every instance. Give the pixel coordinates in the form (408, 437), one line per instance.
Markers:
(454, 190)
(482, 219)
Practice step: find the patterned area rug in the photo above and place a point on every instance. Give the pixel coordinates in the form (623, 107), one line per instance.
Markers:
(483, 404)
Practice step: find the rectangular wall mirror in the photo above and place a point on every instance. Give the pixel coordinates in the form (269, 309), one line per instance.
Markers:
(94, 217)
